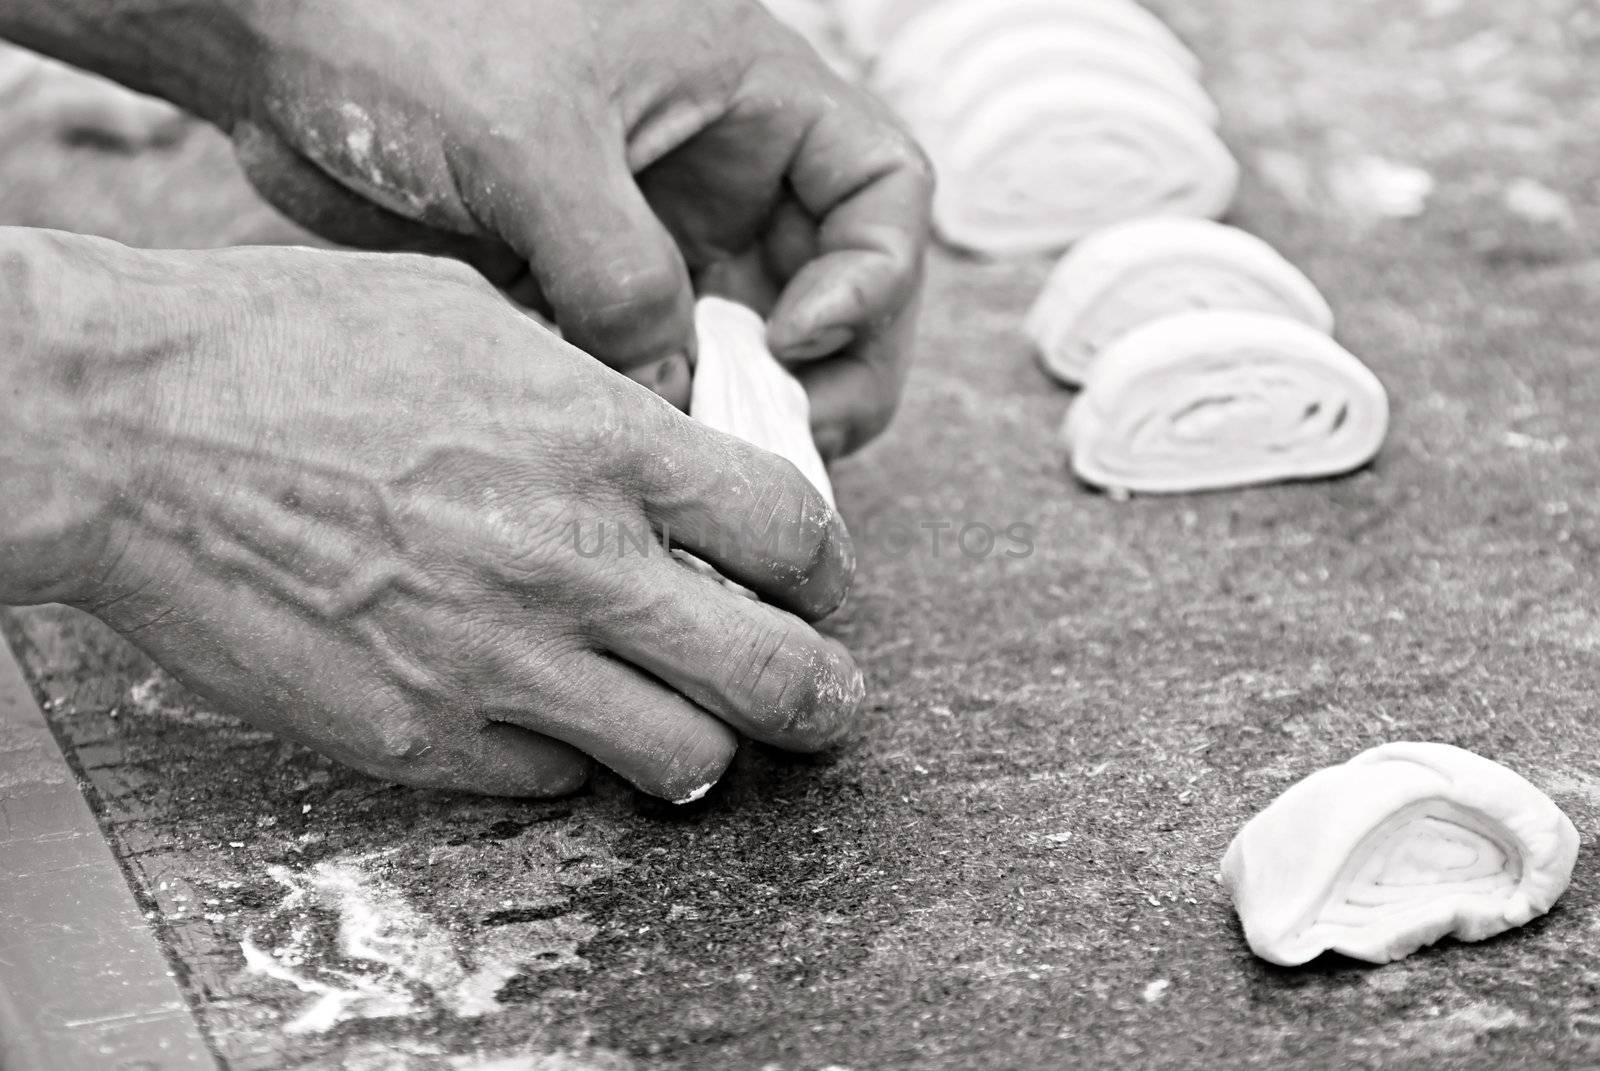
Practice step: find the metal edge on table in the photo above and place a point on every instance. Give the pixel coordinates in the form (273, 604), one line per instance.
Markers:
(83, 982)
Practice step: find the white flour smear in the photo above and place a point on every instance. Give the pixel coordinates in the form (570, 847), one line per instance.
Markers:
(390, 959)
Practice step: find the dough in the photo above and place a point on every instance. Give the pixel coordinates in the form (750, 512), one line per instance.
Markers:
(1125, 276)
(928, 44)
(870, 26)
(1209, 400)
(1395, 849)
(741, 389)
(1028, 52)
(1036, 167)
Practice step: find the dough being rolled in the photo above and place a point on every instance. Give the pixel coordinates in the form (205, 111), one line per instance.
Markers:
(1204, 401)
(1024, 53)
(740, 388)
(921, 31)
(1128, 275)
(1036, 167)
(1399, 847)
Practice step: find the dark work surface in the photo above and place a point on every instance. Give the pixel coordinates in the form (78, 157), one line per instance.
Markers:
(1015, 864)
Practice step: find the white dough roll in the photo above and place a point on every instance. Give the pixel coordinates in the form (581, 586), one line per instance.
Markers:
(1026, 53)
(929, 44)
(1401, 846)
(1205, 401)
(1034, 168)
(868, 24)
(871, 26)
(1125, 276)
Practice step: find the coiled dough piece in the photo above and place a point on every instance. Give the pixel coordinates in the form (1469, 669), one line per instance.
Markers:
(1399, 847)
(1038, 166)
(1209, 400)
(872, 26)
(1131, 274)
(1026, 52)
(740, 388)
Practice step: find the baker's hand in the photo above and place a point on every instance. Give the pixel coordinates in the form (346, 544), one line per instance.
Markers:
(362, 500)
(612, 149)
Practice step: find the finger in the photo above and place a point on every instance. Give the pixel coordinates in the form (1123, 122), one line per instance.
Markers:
(760, 669)
(756, 277)
(749, 513)
(659, 741)
(854, 395)
(306, 194)
(459, 750)
(670, 377)
(791, 241)
(87, 109)
(742, 279)
(613, 275)
(871, 188)
(496, 759)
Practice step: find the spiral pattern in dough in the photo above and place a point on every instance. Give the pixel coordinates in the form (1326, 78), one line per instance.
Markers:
(1205, 401)
(1399, 847)
(1039, 166)
(1125, 276)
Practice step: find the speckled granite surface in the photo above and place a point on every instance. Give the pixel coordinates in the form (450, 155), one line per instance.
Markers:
(1014, 865)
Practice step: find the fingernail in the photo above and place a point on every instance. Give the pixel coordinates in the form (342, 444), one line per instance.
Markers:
(822, 342)
(695, 796)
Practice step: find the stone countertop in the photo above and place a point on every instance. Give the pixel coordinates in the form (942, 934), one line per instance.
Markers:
(1015, 863)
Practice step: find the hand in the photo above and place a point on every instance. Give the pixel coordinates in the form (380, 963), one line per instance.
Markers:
(613, 149)
(358, 499)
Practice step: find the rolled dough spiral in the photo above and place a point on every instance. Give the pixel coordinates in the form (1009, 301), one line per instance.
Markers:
(1026, 52)
(1036, 167)
(1399, 847)
(926, 28)
(1217, 399)
(1131, 274)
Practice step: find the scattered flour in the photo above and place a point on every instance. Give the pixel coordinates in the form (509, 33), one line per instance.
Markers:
(418, 961)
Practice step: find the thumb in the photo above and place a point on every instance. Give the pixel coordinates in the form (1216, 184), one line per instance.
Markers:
(614, 277)
(311, 198)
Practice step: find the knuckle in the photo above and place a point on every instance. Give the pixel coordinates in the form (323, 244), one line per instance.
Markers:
(793, 522)
(800, 712)
(783, 687)
(628, 291)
